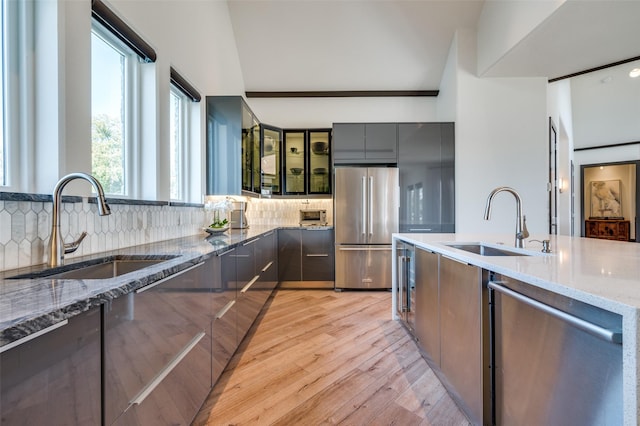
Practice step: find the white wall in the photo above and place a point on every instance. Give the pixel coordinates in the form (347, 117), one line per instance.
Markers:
(503, 24)
(501, 140)
(323, 112)
(560, 110)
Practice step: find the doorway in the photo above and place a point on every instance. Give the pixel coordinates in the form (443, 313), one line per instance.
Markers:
(610, 194)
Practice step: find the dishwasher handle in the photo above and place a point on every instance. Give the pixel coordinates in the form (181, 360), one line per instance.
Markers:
(605, 334)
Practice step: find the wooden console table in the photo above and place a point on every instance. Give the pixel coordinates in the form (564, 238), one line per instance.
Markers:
(608, 229)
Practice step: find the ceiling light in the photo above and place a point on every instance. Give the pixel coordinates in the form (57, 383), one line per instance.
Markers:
(634, 73)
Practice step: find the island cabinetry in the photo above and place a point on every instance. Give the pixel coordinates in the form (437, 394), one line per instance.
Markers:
(54, 378)
(306, 258)
(557, 360)
(427, 324)
(367, 143)
(157, 351)
(464, 331)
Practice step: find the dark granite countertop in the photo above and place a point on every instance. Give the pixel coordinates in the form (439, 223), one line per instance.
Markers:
(30, 305)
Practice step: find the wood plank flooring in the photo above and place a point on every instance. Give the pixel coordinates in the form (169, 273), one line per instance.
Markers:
(320, 357)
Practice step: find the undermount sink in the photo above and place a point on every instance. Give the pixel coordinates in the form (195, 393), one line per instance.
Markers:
(485, 250)
(96, 269)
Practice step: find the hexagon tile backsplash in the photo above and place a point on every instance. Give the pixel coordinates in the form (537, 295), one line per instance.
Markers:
(25, 227)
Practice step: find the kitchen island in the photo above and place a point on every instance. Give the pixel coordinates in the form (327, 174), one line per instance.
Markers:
(601, 274)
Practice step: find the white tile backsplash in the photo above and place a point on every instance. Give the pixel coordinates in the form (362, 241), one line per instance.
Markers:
(25, 225)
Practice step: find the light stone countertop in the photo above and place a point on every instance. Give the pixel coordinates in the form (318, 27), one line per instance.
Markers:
(601, 273)
(31, 305)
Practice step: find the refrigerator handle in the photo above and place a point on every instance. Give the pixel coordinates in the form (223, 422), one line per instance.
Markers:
(364, 206)
(370, 206)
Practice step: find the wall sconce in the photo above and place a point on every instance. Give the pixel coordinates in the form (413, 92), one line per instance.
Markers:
(561, 184)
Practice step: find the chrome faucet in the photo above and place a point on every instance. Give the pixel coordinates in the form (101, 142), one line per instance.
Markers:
(57, 247)
(521, 220)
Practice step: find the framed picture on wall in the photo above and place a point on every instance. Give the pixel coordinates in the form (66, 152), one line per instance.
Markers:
(606, 200)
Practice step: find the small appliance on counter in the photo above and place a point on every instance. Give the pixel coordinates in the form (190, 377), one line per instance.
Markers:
(313, 217)
(238, 218)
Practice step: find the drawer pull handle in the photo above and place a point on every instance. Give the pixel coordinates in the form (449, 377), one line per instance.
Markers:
(267, 267)
(224, 310)
(32, 336)
(365, 249)
(223, 253)
(249, 284)
(251, 242)
(152, 285)
(318, 255)
(144, 393)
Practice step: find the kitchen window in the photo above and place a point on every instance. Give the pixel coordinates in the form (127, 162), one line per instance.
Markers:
(177, 137)
(113, 82)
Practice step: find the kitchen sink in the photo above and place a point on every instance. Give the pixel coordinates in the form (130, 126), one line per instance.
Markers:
(96, 269)
(485, 250)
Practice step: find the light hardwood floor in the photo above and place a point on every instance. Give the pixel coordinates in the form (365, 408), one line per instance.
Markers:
(320, 357)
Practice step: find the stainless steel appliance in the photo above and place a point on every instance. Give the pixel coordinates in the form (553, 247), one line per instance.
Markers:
(313, 217)
(238, 215)
(556, 360)
(366, 209)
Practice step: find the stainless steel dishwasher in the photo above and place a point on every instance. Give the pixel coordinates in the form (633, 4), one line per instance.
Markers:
(557, 361)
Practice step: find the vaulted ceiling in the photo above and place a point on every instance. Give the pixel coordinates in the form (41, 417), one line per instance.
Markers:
(329, 45)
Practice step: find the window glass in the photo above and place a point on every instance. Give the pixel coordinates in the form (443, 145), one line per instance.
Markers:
(176, 135)
(3, 150)
(108, 101)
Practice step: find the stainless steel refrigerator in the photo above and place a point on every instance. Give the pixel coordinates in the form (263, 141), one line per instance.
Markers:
(366, 211)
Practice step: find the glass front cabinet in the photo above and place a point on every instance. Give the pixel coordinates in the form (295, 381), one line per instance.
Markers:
(270, 159)
(250, 151)
(306, 161)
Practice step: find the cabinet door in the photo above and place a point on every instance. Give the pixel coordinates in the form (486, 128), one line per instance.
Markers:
(250, 151)
(427, 312)
(319, 162)
(223, 327)
(54, 379)
(267, 262)
(448, 213)
(289, 255)
(270, 159)
(421, 179)
(227, 160)
(381, 142)
(248, 297)
(317, 255)
(461, 328)
(348, 142)
(294, 163)
(150, 334)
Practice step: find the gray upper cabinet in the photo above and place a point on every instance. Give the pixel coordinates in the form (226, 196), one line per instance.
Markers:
(225, 144)
(427, 169)
(365, 143)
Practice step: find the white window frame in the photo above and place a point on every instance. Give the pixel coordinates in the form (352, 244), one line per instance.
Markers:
(132, 111)
(184, 148)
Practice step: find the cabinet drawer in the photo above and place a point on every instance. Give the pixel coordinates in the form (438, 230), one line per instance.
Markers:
(176, 398)
(145, 332)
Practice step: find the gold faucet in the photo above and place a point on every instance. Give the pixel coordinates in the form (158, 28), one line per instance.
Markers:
(57, 247)
(521, 220)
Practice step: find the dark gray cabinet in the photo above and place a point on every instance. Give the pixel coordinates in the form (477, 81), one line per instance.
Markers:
(306, 258)
(233, 135)
(267, 263)
(54, 379)
(365, 143)
(157, 351)
(248, 295)
(224, 339)
(427, 170)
